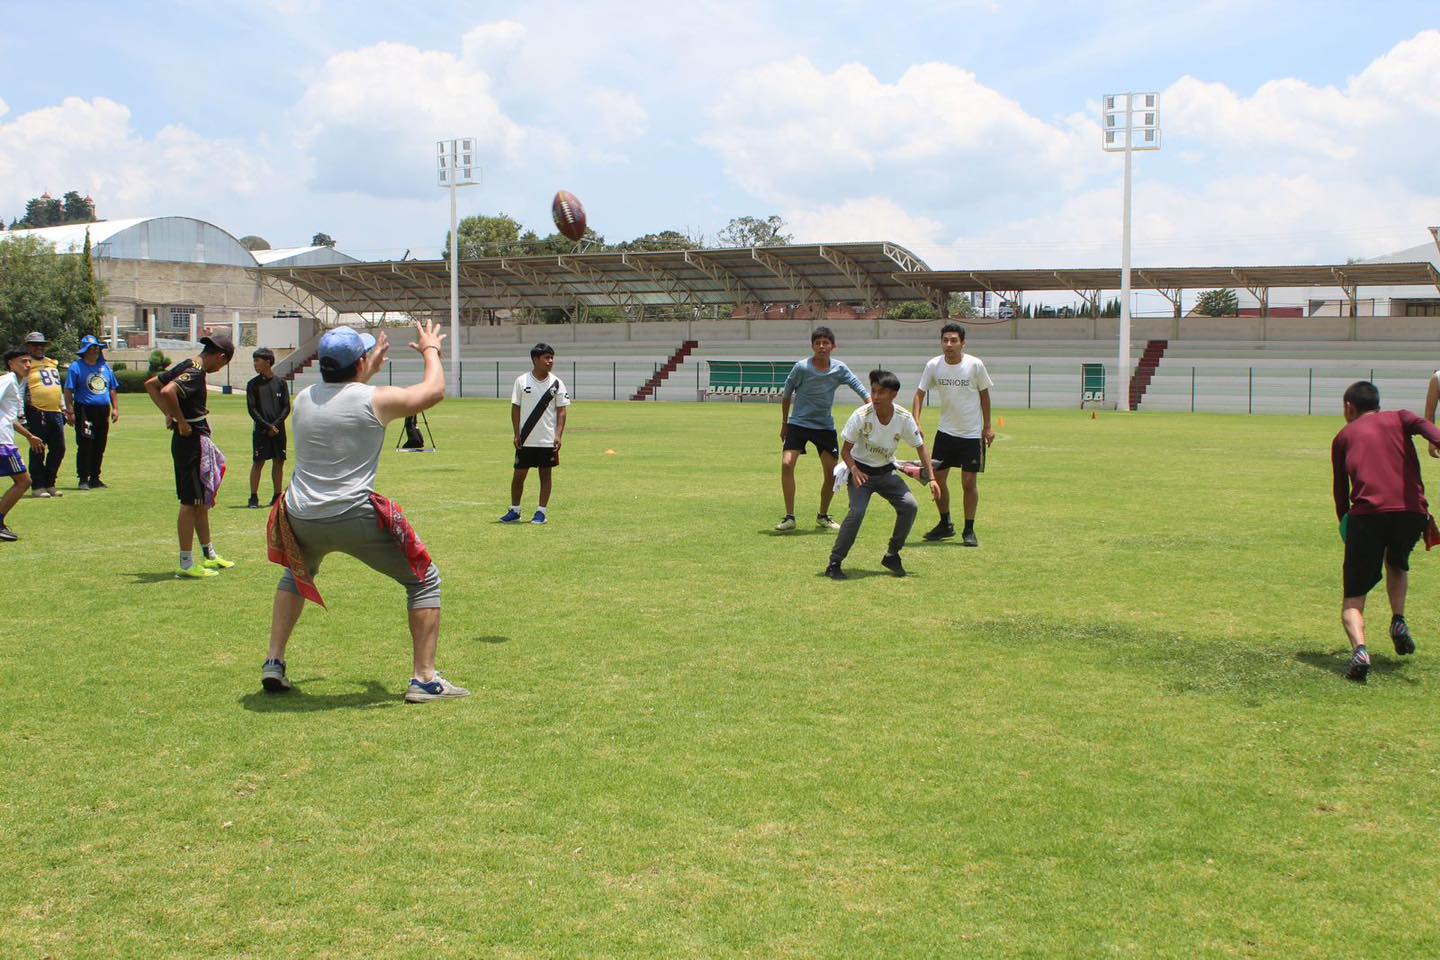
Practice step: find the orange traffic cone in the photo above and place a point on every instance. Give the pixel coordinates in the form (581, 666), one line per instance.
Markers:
(1093, 415)
(1002, 423)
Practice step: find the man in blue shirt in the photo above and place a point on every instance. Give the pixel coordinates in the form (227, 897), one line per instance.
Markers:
(812, 385)
(91, 391)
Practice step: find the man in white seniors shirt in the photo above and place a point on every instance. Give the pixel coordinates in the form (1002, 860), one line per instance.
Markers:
(963, 386)
(871, 436)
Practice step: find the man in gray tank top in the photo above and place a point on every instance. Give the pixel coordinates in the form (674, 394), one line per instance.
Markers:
(332, 506)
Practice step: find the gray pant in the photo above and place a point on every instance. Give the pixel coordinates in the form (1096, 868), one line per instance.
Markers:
(890, 486)
(357, 532)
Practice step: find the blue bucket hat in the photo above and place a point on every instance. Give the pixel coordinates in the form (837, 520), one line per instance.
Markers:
(343, 346)
(91, 341)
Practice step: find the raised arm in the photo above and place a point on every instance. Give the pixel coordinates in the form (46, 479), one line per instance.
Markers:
(397, 403)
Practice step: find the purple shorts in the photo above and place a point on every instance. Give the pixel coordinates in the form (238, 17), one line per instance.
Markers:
(11, 463)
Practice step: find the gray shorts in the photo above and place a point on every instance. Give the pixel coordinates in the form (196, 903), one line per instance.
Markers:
(357, 533)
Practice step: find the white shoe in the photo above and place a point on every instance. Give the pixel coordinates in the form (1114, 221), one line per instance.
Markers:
(437, 689)
(40, 493)
(826, 522)
(787, 524)
(54, 492)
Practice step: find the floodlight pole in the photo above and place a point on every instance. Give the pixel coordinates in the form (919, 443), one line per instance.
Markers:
(1125, 269)
(454, 386)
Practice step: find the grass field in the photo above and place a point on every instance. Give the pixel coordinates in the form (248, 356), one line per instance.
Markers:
(1117, 729)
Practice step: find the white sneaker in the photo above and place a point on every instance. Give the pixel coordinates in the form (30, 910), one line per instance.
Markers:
(40, 493)
(54, 492)
(438, 689)
(787, 524)
(826, 522)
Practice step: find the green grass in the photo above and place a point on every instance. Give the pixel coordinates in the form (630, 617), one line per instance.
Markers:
(1117, 729)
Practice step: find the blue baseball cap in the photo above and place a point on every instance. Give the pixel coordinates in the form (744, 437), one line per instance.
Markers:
(90, 341)
(343, 346)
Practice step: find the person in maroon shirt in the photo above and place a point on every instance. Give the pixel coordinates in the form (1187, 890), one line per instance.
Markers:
(1380, 502)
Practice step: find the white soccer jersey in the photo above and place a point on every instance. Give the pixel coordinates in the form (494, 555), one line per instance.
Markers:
(958, 387)
(876, 442)
(527, 394)
(9, 408)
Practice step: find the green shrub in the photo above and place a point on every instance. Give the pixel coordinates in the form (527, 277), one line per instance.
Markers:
(158, 361)
(132, 381)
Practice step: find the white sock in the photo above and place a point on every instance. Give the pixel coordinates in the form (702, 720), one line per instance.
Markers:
(515, 507)
(187, 559)
(209, 549)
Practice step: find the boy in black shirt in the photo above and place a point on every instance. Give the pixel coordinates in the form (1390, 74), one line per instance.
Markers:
(181, 395)
(268, 399)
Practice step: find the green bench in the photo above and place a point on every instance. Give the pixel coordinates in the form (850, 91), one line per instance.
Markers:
(746, 378)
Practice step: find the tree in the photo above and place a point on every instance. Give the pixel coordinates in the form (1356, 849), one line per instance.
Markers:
(754, 232)
(322, 240)
(664, 240)
(46, 291)
(912, 310)
(1218, 303)
(486, 236)
(78, 209)
(252, 243)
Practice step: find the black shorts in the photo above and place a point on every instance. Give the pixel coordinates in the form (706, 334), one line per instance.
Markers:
(825, 440)
(1373, 540)
(185, 451)
(527, 457)
(959, 453)
(267, 447)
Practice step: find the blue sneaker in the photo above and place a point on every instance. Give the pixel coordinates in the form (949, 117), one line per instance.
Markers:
(511, 516)
(538, 518)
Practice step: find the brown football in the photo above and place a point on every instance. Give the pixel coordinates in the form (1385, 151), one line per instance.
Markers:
(568, 214)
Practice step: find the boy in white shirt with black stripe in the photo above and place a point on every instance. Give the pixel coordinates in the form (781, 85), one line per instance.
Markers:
(537, 417)
(871, 437)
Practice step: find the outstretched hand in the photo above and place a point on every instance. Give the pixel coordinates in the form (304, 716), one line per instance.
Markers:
(375, 359)
(427, 335)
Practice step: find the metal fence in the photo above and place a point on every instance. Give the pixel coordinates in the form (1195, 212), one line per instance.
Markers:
(1275, 387)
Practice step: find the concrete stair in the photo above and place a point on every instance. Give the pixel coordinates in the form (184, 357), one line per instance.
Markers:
(1145, 370)
(648, 389)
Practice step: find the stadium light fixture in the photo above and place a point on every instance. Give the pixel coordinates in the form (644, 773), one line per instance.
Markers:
(457, 165)
(1129, 122)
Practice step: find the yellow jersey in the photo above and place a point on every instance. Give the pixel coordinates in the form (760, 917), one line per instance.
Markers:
(43, 385)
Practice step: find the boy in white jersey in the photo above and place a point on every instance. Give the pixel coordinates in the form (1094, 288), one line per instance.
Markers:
(871, 435)
(964, 435)
(12, 465)
(537, 417)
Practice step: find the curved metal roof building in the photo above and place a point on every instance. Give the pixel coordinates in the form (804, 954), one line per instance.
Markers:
(166, 239)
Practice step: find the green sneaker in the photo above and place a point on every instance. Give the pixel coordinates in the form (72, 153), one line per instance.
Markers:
(196, 572)
(217, 562)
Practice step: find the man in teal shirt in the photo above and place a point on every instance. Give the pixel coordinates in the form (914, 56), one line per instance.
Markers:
(92, 391)
(811, 386)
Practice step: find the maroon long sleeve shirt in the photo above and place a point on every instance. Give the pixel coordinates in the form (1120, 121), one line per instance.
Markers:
(1375, 466)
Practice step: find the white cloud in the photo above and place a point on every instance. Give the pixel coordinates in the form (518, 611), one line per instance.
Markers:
(490, 43)
(861, 219)
(91, 146)
(791, 133)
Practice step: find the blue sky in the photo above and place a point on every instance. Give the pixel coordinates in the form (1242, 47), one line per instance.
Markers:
(967, 131)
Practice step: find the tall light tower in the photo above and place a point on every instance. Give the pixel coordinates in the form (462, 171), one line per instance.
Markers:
(456, 166)
(1131, 121)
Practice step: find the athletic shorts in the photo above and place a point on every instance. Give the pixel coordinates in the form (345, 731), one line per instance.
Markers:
(185, 451)
(962, 453)
(267, 447)
(11, 463)
(1375, 539)
(527, 457)
(825, 441)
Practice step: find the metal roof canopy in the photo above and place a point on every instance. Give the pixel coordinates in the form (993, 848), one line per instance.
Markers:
(1342, 275)
(818, 275)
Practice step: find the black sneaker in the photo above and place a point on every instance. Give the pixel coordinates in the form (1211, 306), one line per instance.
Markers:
(273, 678)
(9, 536)
(891, 562)
(941, 531)
(834, 572)
(98, 485)
(969, 539)
(1359, 666)
(254, 502)
(273, 499)
(1400, 635)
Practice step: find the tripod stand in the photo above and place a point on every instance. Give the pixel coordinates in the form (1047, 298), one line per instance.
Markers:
(411, 440)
